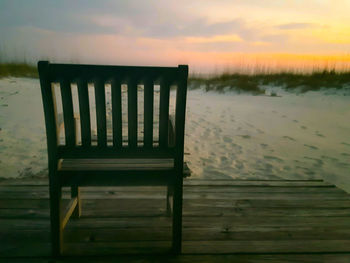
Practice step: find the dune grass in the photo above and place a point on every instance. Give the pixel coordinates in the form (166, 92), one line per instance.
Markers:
(18, 70)
(255, 83)
(251, 83)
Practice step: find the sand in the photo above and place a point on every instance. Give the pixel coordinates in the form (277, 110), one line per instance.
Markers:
(229, 135)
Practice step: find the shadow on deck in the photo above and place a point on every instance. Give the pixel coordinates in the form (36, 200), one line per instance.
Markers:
(248, 221)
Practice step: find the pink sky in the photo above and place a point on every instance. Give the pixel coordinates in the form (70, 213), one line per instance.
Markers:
(210, 36)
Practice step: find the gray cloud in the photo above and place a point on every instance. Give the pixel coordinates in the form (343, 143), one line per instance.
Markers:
(155, 19)
(295, 26)
(197, 27)
(274, 38)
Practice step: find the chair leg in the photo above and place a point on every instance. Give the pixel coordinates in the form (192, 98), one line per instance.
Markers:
(55, 216)
(177, 217)
(169, 198)
(75, 192)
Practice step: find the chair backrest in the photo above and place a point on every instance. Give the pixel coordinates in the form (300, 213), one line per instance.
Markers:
(126, 84)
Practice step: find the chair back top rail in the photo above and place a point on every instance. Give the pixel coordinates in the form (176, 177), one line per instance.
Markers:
(112, 111)
(74, 72)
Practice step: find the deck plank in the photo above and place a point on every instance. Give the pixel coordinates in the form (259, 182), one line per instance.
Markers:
(196, 182)
(187, 195)
(189, 188)
(224, 217)
(43, 203)
(255, 258)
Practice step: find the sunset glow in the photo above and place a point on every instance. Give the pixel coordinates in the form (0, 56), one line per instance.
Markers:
(208, 35)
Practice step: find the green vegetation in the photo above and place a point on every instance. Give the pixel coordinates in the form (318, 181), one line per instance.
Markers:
(255, 83)
(18, 70)
(239, 82)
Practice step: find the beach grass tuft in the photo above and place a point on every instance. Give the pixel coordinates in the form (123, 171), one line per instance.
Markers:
(254, 83)
(239, 82)
(18, 70)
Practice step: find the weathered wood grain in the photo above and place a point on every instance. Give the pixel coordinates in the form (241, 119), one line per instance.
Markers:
(266, 217)
(253, 258)
(198, 182)
(197, 189)
(187, 195)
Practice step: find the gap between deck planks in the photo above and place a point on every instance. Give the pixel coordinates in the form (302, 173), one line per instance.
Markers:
(220, 216)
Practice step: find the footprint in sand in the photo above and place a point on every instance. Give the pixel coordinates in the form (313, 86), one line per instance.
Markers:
(308, 171)
(227, 139)
(268, 167)
(329, 158)
(249, 125)
(234, 145)
(273, 158)
(245, 136)
(264, 145)
(311, 147)
(201, 119)
(319, 134)
(288, 138)
(238, 164)
(318, 162)
(194, 122)
(223, 158)
(343, 164)
(287, 168)
(206, 133)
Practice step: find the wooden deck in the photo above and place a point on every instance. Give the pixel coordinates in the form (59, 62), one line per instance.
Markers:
(226, 220)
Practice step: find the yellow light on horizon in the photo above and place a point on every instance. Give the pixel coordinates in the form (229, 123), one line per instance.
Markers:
(214, 39)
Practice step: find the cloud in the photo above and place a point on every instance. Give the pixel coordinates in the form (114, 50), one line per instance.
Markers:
(290, 26)
(151, 19)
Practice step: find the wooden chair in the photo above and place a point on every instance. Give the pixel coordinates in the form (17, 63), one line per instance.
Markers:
(131, 162)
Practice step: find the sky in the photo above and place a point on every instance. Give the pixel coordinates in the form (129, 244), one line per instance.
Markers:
(208, 35)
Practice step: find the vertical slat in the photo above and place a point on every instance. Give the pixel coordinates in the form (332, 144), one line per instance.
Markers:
(117, 113)
(132, 113)
(68, 113)
(148, 113)
(164, 113)
(100, 113)
(84, 110)
(54, 100)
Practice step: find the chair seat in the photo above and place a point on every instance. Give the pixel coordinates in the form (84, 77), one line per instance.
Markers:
(115, 164)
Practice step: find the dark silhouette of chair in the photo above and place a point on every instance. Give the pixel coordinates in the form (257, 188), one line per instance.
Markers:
(133, 161)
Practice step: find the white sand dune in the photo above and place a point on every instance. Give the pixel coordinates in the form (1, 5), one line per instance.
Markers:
(303, 136)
